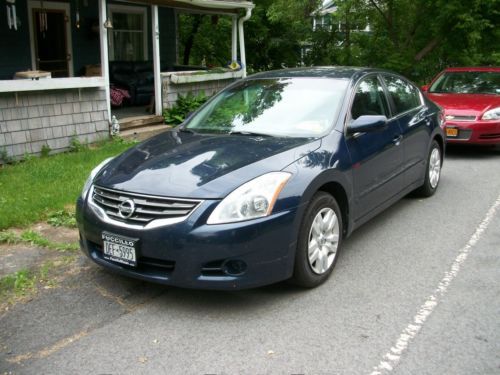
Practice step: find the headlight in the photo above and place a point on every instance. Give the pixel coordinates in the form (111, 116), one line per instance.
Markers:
(492, 114)
(94, 173)
(251, 200)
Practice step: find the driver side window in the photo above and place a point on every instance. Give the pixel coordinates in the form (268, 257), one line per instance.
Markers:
(369, 99)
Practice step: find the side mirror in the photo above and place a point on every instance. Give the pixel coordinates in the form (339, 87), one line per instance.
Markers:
(367, 123)
(424, 88)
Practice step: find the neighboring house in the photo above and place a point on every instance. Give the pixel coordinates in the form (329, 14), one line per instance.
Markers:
(326, 18)
(322, 17)
(56, 58)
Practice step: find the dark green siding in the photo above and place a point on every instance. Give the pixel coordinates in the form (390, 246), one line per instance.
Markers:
(86, 47)
(15, 53)
(14, 45)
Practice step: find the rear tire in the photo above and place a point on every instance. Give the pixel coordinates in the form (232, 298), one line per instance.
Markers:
(432, 172)
(319, 241)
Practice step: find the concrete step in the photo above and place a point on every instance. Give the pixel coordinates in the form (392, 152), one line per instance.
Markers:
(139, 121)
(144, 132)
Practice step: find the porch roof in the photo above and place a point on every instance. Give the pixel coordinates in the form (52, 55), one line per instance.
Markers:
(224, 6)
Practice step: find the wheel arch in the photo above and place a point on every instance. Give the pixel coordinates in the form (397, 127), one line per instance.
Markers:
(439, 139)
(336, 190)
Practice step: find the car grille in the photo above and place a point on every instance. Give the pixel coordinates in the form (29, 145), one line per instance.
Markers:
(147, 207)
(460, 118)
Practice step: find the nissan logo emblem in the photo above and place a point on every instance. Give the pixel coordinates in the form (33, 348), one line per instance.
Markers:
(126, 208)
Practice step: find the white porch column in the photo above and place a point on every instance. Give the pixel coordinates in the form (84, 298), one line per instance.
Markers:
(156, 60)
(243, 56)
(234, 40)
(103, 34)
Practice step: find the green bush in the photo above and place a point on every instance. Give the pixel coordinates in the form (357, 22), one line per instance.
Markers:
(45, 151)
(183, 107)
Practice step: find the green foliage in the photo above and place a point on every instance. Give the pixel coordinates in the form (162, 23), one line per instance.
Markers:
(62, 218)
(8, 237)
(183, 107)
(417, 38)
(19, 283)
(34, 238)
(76, 145)
(204, 39)
(5, 157)
(47, 184)
(277, 33)
(45, 151)
(37, 239)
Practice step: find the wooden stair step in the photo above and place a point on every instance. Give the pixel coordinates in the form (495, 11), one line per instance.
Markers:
(139, 121)
(145, 132)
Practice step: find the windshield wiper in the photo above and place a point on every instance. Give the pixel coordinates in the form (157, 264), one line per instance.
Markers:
(185, 130)
(243, 132)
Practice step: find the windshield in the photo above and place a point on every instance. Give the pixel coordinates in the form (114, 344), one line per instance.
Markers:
(467, 83)
(298, 107)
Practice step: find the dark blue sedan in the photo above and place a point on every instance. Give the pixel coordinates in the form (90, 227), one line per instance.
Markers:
(264, 181)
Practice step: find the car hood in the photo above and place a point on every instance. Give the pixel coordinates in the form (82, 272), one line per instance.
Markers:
(186, 165)
(465, 104)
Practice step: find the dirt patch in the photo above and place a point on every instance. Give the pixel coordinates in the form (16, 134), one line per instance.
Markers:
(21, 256)
(14, 257)
(56, 234)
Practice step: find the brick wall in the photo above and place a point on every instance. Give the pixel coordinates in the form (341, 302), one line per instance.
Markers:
(51, 118)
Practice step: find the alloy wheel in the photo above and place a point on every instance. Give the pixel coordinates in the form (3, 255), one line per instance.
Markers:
(434, 167)
(323, 240)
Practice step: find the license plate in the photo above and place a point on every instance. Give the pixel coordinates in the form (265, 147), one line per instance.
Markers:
(451, 132)
(119, 249)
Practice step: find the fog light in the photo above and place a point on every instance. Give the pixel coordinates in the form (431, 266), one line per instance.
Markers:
(234, 267)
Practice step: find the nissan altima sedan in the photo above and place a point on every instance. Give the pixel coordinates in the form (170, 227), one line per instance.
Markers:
(265, 181)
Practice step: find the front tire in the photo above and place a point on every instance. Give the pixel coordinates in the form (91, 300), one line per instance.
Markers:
(319, 241)
(432, 172)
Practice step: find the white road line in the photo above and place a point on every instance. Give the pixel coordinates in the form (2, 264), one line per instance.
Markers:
(393, 356)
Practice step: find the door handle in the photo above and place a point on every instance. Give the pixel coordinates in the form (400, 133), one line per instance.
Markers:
(397, 139)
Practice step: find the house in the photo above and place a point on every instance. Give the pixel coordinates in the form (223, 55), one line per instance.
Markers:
(327, 18)
(61, 58)
(322, 17)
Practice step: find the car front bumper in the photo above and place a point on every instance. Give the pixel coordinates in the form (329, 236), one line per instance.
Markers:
(476, 132)
(192, 254)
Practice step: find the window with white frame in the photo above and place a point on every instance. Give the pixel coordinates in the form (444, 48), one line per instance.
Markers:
(128, 39)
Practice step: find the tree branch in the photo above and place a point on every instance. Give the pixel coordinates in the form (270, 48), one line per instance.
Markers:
(384, 16)
(427, 49)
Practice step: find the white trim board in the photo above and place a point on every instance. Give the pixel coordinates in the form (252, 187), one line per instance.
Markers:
(19, 85)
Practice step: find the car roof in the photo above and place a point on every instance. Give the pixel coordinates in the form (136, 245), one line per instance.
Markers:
(474, 69)
(342, 72)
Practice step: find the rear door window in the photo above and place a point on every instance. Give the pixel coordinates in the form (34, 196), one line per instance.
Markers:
(404, 95)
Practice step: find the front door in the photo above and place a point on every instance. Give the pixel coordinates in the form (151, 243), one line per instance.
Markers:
(377, 156)
(50, 38)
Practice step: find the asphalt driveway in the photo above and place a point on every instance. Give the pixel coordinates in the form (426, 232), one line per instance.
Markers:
(416, 290)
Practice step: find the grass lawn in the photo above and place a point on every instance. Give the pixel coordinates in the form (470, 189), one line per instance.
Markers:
(31, 190)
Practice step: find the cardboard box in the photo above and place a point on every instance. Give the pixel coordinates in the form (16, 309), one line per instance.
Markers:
(93, 70)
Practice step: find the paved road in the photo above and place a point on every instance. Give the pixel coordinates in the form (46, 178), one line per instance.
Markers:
(415, 291)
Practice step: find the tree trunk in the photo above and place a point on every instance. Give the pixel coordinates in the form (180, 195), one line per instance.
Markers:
(190, 41)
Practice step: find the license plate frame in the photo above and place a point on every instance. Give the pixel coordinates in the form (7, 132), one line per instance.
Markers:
(452, 132)
(120, 249)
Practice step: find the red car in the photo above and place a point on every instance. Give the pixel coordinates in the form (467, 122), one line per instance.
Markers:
(470, 98)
